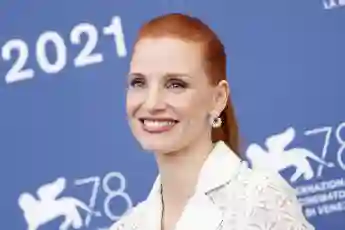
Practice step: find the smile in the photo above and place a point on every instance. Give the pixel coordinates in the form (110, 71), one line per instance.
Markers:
(158, 125)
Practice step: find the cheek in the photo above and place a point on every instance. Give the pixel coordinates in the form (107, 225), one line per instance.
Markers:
(190, 105)
(132, 103)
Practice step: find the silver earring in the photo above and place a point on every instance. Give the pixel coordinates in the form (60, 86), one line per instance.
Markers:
(216, 122)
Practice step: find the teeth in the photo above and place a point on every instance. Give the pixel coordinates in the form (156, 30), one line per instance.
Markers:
(158, 123)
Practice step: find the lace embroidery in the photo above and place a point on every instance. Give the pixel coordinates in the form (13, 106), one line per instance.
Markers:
(250, 201)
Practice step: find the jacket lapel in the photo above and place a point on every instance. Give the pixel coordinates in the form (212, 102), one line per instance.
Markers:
(201, 212)
(220, 168)
(153, 208)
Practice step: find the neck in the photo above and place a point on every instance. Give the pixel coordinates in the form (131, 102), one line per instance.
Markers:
(179, 171)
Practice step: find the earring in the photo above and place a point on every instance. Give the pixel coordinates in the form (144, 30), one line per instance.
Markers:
(216, 122)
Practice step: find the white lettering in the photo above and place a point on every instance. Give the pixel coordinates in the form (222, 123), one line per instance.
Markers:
(320, 187)
(86, 55)
(17, 71)
(115, 28)
(310, 212)
(332, 4)
(322, 198)
(341, 142)
(92, 202)
(41, 52)
(328, 131)
(327, 209)
(329, 4)
(112, 194)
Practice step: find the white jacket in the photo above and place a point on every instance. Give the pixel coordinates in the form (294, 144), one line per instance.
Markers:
(229, 196)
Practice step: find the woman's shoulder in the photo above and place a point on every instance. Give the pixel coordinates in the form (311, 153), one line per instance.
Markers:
(260, 179)
(260, 197)
(266, 194)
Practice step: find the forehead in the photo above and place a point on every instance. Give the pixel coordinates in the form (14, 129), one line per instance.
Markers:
(162, 55)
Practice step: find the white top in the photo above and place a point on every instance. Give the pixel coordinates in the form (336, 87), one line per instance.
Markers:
(229, 196)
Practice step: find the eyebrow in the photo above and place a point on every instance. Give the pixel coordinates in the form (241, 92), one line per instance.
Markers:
(166, 75)
(135, 75)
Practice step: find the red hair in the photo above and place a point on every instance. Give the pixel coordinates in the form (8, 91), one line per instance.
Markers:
(192, 29)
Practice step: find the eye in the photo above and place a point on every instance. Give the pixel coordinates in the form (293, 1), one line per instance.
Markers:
(176, 84)
(137, 82)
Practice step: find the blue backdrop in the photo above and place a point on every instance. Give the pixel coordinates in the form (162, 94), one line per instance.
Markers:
(64, 139)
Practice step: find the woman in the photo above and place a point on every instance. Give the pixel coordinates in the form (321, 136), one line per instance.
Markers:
(179, 108)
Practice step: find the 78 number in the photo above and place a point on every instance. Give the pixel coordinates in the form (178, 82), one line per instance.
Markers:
(111, 194)
(328, 131)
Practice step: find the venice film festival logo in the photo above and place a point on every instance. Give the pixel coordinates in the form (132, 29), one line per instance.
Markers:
(50, 205)
(321, 196)
(278, 158)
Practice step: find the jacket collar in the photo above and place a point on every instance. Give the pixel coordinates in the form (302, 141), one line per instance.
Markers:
(220, 167)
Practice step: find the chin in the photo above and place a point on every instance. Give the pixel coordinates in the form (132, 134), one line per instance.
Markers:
(158, 145)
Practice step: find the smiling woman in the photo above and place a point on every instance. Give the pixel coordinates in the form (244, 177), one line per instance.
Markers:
(189, 62)
(179, 108)
(170, 94)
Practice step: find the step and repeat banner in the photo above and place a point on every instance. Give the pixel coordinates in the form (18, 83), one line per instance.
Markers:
(67, 157)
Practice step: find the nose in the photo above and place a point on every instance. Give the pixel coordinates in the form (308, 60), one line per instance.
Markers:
(154, 100)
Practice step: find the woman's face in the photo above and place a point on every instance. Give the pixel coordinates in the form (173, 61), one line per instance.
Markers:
(169, 97)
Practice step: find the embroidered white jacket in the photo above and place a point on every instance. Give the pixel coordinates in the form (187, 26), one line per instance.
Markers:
(229, 196)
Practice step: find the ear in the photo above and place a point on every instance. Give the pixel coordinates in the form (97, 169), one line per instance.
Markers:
(220, 99)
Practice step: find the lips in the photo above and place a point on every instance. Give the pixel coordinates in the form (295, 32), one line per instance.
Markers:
(157, 125)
